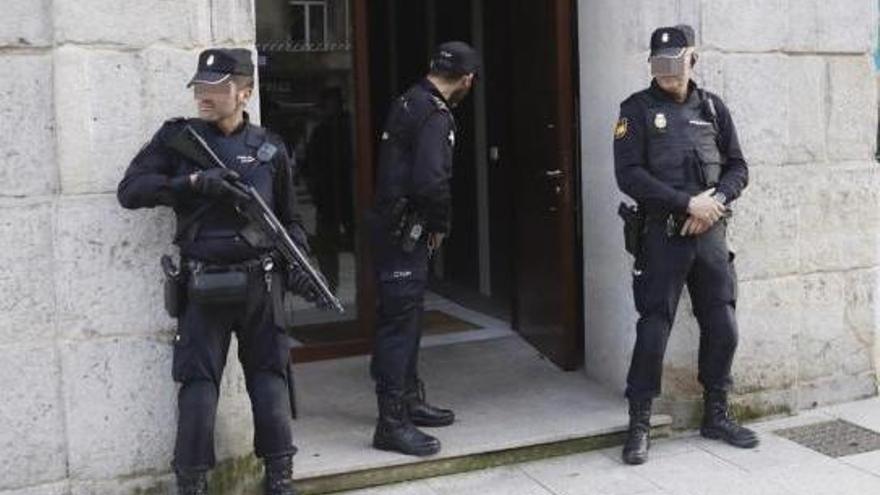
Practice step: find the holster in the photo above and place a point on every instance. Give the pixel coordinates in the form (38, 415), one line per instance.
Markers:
(633, 226)
(174, 285)
(407, 225)
(283, 301)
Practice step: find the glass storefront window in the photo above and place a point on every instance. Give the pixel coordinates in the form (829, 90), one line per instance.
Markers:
(307, 97)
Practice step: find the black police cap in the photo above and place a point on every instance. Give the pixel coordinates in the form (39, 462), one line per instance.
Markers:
(216, 65)
(455, 57)
(671, 41)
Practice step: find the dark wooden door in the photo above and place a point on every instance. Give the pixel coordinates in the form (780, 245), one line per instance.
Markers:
(547, 271)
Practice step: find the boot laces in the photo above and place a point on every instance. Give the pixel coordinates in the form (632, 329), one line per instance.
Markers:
(724, 416)
(279, 474)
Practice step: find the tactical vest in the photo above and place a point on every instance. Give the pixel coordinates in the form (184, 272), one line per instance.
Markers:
(218, 217)
(682, 141)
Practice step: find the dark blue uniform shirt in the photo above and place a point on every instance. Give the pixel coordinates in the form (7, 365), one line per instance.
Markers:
(663, 149)
(415, 158)
(159, 176)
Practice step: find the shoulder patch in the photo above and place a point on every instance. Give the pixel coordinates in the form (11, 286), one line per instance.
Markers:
(440, 104)
(621, 128)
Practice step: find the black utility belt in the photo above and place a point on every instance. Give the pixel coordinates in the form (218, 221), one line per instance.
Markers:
(674, 222)
(209, 283)
(261, 264)
(224, 283)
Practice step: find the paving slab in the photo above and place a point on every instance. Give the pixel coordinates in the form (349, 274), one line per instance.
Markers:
(773, 452)
(869, 461)
(409, 488)
(507, 480)
(865, 413)
(593, 473)
(825, 477)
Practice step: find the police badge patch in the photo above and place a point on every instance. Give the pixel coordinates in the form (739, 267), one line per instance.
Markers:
(660, 121)
(621, 128)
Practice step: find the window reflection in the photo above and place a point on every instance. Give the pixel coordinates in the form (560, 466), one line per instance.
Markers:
(327, 169)
(306, 89)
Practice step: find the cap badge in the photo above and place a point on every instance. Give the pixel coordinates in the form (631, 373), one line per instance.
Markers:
(665, 38)
(660, 121)
(210, 61)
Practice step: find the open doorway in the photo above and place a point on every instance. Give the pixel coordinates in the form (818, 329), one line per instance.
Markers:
(328, 72)
(514, 246)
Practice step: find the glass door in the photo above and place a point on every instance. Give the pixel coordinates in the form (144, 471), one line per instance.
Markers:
(307, 86)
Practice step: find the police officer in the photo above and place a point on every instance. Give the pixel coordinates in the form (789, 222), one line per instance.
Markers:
(413, 216)
(677, 154)
(211, 241)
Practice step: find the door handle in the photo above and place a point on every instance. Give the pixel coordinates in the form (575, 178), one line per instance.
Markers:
(494, 154)
(553, 173)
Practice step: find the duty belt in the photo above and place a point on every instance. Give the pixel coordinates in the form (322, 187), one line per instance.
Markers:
(262, 264)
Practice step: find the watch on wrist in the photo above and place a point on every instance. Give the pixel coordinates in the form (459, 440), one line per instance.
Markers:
(720, 197)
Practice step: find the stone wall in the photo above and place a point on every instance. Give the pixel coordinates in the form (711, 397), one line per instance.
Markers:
(798, 78)
(86, 396)
(86, 401)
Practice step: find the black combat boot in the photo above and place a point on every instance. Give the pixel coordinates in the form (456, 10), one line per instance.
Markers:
(279, 476)
(423, 414)
(718, 423)
(395, 431)
(192, 482)
(638, 439)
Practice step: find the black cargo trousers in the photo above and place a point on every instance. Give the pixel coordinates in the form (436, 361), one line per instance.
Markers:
(663, 266)
(200, 351)
(401, 283)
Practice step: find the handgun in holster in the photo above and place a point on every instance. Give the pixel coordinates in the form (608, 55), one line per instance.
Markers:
(174, 286)
(407, 225)
(633, 226)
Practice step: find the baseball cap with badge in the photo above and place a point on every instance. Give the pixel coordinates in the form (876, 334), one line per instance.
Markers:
(217, 65)
(456, 57)
(668, 49)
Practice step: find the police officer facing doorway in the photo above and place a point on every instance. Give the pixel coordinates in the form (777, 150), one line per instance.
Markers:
(677, 154)
(212, 245)
(412, 209)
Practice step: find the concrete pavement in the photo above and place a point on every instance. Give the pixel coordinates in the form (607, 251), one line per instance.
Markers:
(684, 465)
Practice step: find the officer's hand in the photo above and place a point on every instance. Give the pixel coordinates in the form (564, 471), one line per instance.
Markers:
(704, 207)
(435, 240)
(299, 282)
(214, 182)
(694, 226)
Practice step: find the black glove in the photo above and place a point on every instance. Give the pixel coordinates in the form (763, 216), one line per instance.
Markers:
(299, 282)
(214, 182)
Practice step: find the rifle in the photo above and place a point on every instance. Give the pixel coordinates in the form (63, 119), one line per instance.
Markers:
(252, 206)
